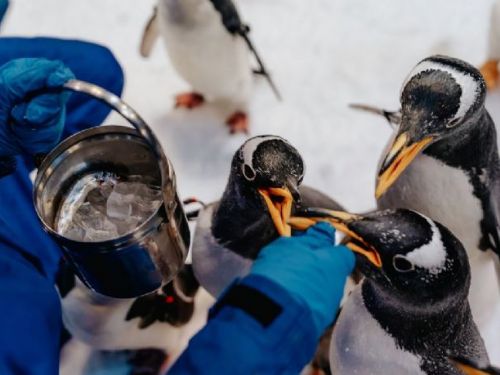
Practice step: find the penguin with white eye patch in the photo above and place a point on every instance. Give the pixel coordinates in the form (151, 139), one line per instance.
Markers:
(262, 192)
(411, 308)
(443, 161)
(209, 46)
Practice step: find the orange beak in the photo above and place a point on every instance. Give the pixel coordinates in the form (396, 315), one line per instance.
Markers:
(399, 157)
(279, 203)
(339, 220)
(468, 368)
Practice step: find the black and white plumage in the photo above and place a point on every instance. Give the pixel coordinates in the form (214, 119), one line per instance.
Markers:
(411, 310)
(443, 162)
(230, 233)
(109, 333)
(209, 47)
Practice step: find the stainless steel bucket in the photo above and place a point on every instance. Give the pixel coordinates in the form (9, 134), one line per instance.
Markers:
(146, 258)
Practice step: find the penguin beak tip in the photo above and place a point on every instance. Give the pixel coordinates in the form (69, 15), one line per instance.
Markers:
(400, 155)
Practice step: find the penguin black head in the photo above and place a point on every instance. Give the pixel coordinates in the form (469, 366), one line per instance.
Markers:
(268, 161)
(441, 97)
(266, 172)
(403, 252)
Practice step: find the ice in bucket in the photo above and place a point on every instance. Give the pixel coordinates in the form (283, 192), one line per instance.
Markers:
(102, 206)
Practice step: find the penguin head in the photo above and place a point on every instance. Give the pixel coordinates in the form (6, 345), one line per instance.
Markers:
(262, 191)
(403, 253)
(440, 98)
(268, 161)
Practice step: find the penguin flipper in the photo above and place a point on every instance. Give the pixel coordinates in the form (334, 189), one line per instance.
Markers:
(392, 117)
(314, 198)
(233, 24)
(491, 223)
(230, 17)
(150, 34)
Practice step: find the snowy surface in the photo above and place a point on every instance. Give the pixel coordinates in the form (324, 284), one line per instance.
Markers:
(324, 54)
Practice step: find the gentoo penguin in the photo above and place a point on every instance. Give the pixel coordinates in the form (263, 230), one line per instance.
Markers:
(468, 367)
(136, 331)
(209, 47)
(411, 308)
(443, 162)
(261, 193)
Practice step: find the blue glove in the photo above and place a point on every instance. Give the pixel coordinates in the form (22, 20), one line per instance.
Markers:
(32, 121)
(4, 4)
(311, 268)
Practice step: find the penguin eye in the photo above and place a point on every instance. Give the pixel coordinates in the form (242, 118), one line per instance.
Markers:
(248, 172)
(454, 122)
(402, 264)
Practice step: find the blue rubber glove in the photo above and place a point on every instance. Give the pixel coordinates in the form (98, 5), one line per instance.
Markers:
(311, 268)
(4, 4)
(31, 121)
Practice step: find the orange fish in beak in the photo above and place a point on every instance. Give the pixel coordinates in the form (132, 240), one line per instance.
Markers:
(340, 221)
(279, 202)
(398, 158)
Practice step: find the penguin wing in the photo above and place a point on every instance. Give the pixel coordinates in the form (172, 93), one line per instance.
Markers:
(392, 117)
(150, 34)
(314, 198)
(491, 222)
(230, 17)
(232, 22)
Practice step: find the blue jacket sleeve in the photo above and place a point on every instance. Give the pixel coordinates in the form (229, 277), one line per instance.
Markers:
(30, 324)
(261, 329)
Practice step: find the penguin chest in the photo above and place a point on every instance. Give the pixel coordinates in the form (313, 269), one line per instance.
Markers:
(360, 346)
(214, 62)
(443, 193)
(214, 266)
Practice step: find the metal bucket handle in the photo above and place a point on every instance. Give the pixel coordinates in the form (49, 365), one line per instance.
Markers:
(129, 114)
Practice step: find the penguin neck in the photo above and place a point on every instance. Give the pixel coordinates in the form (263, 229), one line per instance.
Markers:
(416, 326)
(241, 221)
(469, 148)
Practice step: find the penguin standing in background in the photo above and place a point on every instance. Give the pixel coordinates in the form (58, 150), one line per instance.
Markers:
(443, 162)
(209, 47)
(411, 310)
(261, 194)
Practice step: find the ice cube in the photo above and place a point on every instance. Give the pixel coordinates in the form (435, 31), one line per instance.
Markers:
(74, 232)
(119, 206)
(96, 235)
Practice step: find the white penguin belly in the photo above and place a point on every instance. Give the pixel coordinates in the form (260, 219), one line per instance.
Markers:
(360, 346)
(445, 195)
(214, 62)
(214, 266)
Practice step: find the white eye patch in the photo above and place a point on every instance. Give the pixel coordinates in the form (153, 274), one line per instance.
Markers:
(432, 255)
(251, 145)
(468, 84)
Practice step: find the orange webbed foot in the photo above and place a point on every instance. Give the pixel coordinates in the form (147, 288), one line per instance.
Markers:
(189, 100)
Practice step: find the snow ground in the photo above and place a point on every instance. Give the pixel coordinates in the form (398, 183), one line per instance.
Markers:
(324, 54)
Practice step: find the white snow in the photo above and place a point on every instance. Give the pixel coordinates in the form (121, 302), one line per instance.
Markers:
(323, 54)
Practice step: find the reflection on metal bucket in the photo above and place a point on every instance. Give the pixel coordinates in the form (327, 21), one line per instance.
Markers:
(143, 259)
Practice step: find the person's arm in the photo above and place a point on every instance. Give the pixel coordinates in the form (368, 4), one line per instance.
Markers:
(270, 321)
(32, 108)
